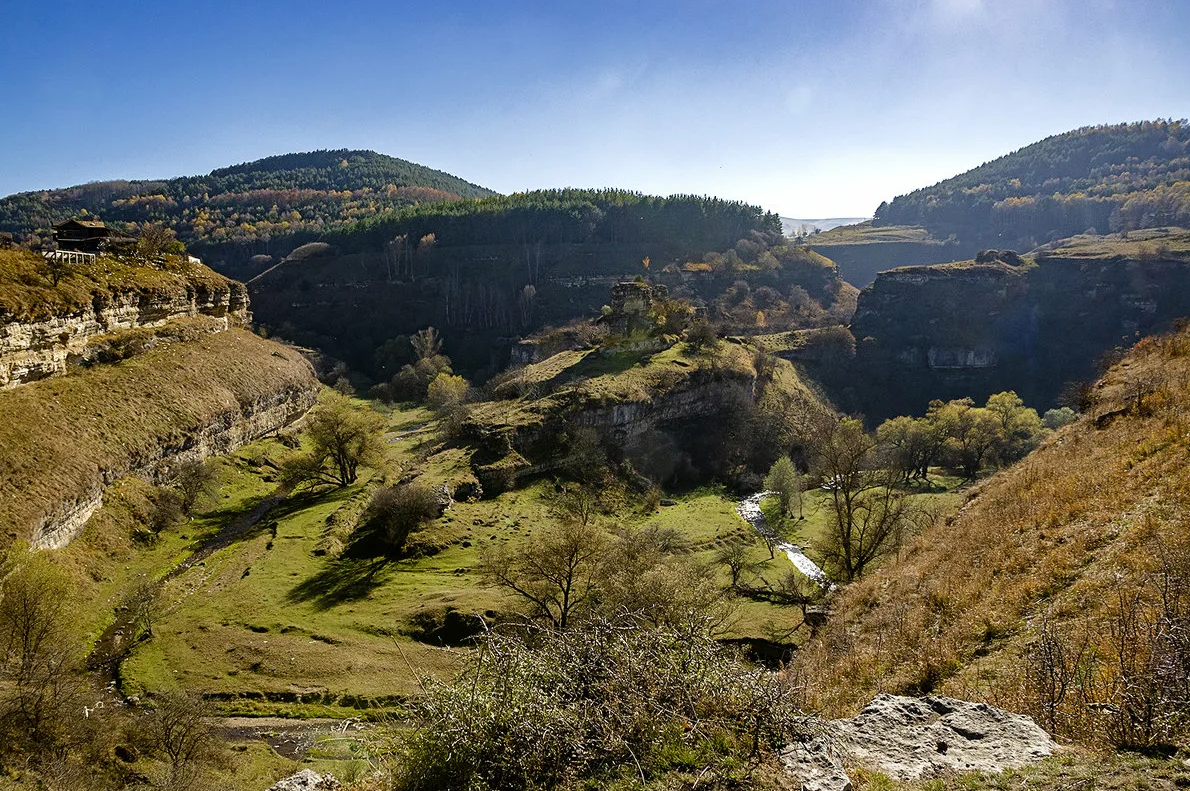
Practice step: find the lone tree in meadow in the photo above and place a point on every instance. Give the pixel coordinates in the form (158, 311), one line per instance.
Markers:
(193, 479)
(557, 572)
(344, 437)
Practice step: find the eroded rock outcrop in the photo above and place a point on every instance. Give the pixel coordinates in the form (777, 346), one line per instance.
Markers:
(31, 350)
(909, 738)
(64, 440)
(226, 433)
(974, 329)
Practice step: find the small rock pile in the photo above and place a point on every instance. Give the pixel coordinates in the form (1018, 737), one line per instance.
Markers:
(908, 738)
(307, 780)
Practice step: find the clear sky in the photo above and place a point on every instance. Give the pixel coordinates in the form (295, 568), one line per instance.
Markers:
(812, 109)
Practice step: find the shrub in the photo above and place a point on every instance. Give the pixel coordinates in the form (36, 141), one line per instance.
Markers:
(193, 479)
(585, 706)
(701, 336)
(167, 511)
(398, 511)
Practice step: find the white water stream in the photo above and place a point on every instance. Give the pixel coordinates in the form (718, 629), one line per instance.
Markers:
(749, 509)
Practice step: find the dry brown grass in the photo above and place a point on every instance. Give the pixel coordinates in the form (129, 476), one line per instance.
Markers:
(1056, 540)
(27, 294)
(61, 436)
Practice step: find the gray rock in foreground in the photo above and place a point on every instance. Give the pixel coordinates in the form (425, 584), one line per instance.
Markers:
(307, 780)
(908, 738)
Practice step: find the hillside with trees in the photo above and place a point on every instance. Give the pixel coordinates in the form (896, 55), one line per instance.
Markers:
(1110, 178)
(497, 268)
(1059, 589)
(239, 211)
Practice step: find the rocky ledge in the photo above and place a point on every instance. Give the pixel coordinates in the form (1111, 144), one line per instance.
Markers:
(909, 738)
(36, 349)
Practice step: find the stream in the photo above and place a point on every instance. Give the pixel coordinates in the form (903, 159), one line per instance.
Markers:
(749, 509)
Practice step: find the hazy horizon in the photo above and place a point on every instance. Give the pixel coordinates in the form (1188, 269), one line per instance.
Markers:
(817, 109)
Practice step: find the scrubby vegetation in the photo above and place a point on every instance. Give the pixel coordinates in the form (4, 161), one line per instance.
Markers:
(28, 292)
(1057, 590)
(610, 702)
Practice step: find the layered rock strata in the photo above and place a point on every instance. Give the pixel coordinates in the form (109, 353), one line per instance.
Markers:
(38, 349)
(972, 330)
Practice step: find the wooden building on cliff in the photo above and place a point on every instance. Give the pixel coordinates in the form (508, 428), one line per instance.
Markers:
(88, 236)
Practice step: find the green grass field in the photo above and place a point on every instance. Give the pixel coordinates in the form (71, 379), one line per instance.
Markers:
(270, 625)
(280, 623)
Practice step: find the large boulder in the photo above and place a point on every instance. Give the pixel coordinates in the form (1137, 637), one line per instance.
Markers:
(307, 780)
(908, 738)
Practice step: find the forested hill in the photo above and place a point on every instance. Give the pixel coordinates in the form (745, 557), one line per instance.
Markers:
(688, 224)
(244, 207)
(1109, 178)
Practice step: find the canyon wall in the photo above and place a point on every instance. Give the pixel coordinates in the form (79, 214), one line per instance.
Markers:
(32, 350)
(951, 331)
(64, 439)
(225, 433)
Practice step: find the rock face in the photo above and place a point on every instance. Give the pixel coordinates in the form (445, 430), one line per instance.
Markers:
(908, 738)
(307, 780)
(976, 329)
(236, 427)
(859, 264)
(35, 350)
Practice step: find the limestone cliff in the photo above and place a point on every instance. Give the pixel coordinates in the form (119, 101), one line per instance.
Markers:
(36, 349)
(45, 320)
(973, 329)
(669, 410)
(64, 439)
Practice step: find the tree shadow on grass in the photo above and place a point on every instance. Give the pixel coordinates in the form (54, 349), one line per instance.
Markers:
(342, 580)
(363, 566)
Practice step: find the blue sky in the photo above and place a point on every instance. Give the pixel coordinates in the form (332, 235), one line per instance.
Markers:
(812, 109)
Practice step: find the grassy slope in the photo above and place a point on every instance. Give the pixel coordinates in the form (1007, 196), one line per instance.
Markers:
(864, 233)
(26, 294)
(1148, 244)
(57, 433)
(298, 621)
(1056, 535)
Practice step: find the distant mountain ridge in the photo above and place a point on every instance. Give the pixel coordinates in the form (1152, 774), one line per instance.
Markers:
(245, 206)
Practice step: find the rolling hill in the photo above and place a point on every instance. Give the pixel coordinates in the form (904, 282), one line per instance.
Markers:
(1110, 178)
(236, 212)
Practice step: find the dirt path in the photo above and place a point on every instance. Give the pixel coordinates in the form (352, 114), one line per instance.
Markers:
(116, 642)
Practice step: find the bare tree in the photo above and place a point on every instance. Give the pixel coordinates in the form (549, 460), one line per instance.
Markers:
(867, 513)
(179, 726)
(556, 571)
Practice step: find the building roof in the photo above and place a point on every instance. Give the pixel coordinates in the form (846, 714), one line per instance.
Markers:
(82, 223)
